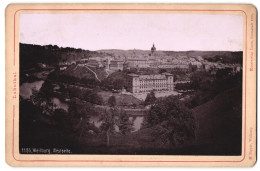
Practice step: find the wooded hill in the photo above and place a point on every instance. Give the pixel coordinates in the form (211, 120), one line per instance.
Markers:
(30, 55)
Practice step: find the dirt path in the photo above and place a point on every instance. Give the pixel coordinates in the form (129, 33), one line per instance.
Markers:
(93, 73)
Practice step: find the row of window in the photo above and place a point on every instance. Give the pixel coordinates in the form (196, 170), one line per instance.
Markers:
(157, 81)
(153, 86)
(141, 91)
(149, 84)
(148, 90)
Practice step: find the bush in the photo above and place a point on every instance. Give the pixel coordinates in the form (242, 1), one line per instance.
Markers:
(173, 123)
(150, 98)
(112, 101)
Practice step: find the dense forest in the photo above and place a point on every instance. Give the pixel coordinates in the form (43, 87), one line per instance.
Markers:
(30, 55)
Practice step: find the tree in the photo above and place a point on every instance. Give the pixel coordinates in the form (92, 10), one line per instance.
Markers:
(150, 98)
(79, 117)
(115, 117)
(193, 68)
(199, 80)
(162, 71)
(116, 81)
(83, 126)
(75, 92)
(38, 98)
(172, 122)
(92, 97)
(49, 107)
(109, 119)
(46, 91)
(125, 125)
(112, 101)
(61, 119)
(95, 98)
(35, 99)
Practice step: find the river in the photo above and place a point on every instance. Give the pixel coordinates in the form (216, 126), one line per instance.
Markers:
(26, 92)
(26, 88)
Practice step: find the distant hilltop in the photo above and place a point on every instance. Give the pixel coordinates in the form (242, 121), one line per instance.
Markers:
(52, 54)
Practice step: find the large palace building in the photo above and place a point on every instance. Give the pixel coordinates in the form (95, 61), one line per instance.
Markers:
(147, 83)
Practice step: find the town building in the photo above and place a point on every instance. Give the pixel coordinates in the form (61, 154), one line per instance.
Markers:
(213, 67)
(140, 63)
(94, 63)
(174, 67)
(147, 83)
(115, 65)
(196, 63)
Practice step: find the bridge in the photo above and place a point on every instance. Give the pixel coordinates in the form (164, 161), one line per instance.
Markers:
(136, 112)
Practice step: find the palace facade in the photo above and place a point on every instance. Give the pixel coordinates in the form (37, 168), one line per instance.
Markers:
(147, 83)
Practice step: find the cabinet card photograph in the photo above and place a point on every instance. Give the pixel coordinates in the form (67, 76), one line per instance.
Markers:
(130, 85)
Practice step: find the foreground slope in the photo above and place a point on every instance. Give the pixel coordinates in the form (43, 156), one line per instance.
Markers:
(219, 121)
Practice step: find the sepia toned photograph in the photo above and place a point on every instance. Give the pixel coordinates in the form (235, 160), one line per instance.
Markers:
(131, 85)
(164, 84)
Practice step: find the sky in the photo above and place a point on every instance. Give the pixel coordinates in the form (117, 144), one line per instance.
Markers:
(93, 31)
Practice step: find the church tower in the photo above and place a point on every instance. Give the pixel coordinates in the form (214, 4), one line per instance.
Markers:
(153, 49)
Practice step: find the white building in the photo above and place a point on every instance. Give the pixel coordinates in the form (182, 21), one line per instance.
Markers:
(147, 83)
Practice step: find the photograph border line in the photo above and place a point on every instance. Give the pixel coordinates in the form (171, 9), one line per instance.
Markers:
(198, 10)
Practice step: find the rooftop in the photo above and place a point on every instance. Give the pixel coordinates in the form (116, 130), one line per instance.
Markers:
(151, 77)
(133, 75)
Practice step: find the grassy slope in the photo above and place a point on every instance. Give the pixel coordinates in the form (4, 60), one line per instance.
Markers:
(121, 99)
(219, 121)
(83, 72)
(78, 72)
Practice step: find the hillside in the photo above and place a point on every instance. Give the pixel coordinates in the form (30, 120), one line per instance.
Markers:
(121, 99)
(80, 72)
(219, 121)
(30, 54)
